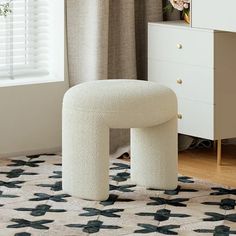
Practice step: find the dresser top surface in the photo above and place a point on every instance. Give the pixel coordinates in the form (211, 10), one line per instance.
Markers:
(178, 24)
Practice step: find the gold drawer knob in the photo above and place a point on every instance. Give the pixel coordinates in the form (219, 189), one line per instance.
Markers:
(179, 81)
(179, 45)
(180, 116)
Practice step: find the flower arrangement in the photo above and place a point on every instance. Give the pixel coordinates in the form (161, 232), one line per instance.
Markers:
(180, 5)
(5, 9)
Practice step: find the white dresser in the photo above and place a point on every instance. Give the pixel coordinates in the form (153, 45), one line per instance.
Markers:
(200, 66)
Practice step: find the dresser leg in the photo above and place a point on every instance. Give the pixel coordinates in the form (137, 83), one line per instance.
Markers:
(219, 152)
(215, 144)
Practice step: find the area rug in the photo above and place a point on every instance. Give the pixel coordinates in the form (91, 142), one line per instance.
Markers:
(32, 203)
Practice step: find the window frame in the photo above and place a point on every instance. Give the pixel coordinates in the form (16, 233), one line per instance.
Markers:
(56, 53)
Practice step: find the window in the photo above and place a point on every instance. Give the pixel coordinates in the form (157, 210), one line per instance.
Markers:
(31, 39)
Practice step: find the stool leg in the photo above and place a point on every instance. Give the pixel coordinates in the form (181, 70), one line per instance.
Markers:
(154, 156)
(85, 155)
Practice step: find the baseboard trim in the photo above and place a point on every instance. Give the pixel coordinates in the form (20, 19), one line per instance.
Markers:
(55, 150)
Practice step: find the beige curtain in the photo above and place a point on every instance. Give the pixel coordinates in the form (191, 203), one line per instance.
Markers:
(107, 39)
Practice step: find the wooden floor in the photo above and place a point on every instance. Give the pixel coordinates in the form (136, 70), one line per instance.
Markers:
(201, 163)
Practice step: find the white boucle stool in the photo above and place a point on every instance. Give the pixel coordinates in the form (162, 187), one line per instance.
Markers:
(91, 109)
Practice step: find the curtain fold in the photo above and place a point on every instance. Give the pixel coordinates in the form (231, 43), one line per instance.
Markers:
(128, 21)
(87, 29)
(107, 39)
(122, 55)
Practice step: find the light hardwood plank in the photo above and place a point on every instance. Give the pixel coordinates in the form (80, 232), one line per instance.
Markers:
(202, 164)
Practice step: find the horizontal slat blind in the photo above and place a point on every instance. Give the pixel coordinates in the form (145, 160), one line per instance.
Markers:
(24, 39)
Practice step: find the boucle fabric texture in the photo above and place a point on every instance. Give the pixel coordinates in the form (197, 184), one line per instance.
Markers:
(131, 98)
(91, 109)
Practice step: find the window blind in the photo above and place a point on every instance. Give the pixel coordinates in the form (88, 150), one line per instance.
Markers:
(24, 39)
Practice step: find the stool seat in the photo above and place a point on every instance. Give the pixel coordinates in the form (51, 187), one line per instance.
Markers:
(92, 108)
(133, 99)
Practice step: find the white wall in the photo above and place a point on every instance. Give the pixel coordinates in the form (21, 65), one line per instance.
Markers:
(30, 118)
(30, 114)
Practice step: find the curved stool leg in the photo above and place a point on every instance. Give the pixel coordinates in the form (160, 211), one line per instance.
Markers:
(85, 155)
(154, 156)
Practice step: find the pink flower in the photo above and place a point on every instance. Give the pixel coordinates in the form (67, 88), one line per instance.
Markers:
(186, 6)
(180, 4)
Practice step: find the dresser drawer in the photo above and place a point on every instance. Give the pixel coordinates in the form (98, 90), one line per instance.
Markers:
(191, 82)
(197, 118)
(181, 44)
